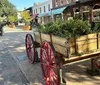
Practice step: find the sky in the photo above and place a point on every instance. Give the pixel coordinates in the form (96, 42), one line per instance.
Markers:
(21, 4)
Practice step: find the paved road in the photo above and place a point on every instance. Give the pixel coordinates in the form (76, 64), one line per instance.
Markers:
(15, 68)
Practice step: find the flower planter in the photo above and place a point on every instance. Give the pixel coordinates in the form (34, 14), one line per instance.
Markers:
(81, 45)
(12, 26)
(26, 27)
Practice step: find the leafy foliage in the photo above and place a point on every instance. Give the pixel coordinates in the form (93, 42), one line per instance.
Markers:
(95, 26)
(26, 16)
(12, 18)
(70, 28)
(7, 9)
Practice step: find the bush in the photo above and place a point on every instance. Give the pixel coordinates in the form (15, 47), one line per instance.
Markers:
(95, 27)
(70, 28)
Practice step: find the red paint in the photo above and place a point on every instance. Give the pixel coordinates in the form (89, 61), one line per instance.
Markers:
(29, 48)
(58, 2)
(48, 64)
(64, 2)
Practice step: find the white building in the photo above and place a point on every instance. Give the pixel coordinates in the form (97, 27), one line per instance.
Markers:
(19, 15)
(43, 11)
(19, 18)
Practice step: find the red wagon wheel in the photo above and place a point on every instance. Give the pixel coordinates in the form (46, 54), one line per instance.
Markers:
(48, 64)
(97, 62)
(30, 49)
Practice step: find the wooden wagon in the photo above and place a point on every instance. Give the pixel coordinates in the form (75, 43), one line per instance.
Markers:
(57, 52)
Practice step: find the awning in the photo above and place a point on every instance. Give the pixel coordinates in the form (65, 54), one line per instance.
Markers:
(58, 11)
(44, 14)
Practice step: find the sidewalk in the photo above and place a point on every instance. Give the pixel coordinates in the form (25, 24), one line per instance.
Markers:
(14, 42)
(10, 73)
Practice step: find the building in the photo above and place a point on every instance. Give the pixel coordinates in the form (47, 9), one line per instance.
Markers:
(42, 11)
(19, 15)
(58, 8)
(65, 9)
(30, 11)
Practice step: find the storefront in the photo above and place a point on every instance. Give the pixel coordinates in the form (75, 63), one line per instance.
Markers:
(44, 17)
(57, 14)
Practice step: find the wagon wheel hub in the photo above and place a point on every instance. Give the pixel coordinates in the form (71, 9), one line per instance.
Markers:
(50, 65)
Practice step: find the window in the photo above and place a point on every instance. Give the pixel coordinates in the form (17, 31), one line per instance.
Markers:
(56, 4)
(36, 10)
(44, 9)
(61, 2)
(48, 7)
(40, 9)
(68, 1)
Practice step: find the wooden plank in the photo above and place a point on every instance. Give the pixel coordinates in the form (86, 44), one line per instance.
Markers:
(86, 43)
(80, 58)
(60, 49)
(82, 38)
(45, 37)
(83, 45)
(59, 40)
(72, 46)
(98, 40)
(85, 59)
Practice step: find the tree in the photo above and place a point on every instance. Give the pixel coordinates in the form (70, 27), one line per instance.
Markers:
(7, 9)
(25, 16)
(11, 19)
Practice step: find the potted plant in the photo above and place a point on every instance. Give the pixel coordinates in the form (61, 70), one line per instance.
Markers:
(11, 20)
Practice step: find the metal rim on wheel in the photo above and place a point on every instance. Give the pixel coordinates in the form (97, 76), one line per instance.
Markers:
(48, 64)
(30, 50)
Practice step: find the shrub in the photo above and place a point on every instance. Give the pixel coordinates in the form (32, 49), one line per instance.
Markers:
(95, 27)
(70, 28)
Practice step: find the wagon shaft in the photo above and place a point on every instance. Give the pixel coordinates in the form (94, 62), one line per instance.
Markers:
(80, 58)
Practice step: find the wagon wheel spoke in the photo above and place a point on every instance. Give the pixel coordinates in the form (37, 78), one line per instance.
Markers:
(30, 49)
(50, 53)
(48, 64)
(47, 51)
(30, 56)
(52, 78)
(45, 55)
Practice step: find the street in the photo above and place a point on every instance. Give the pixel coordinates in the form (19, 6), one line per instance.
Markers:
(15, 68)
